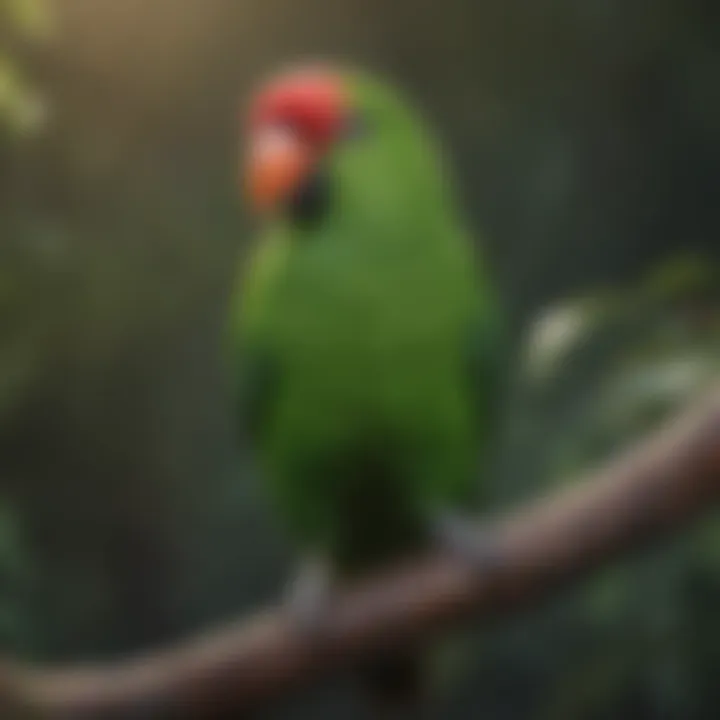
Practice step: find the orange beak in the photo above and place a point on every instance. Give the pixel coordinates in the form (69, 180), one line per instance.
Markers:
(276, 164)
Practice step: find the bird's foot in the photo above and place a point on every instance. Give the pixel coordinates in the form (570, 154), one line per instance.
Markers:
(308, 597)
(469, 540)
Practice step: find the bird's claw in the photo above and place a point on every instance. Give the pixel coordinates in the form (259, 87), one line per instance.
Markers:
(308, 597)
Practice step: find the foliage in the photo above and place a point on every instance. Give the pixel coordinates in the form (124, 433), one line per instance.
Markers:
(15, 578)
(21, 107)
(637, 640)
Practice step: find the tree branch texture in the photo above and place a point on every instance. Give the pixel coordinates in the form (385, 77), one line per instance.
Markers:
(657, 487)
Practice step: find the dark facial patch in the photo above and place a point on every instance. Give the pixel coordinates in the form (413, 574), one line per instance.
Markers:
(311, 201)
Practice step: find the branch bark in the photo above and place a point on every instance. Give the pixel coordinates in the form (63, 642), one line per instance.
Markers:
(657, 487)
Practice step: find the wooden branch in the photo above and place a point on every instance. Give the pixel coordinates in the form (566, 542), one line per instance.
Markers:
(653, 489)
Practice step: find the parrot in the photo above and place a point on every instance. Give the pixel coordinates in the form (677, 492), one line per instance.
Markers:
(364, 341)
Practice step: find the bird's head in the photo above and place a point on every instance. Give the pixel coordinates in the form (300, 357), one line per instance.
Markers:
(293, 121)
(318, 136)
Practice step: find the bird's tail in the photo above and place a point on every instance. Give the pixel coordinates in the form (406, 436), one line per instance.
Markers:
(396, 684)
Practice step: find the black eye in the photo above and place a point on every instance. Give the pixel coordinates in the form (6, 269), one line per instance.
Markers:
(357, 126)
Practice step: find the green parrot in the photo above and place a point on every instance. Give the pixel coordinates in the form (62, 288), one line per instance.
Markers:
(365, 340)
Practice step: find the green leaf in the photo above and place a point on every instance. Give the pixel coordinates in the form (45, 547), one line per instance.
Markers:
(31, 18)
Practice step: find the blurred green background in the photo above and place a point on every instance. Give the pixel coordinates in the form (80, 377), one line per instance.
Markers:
(586, 136)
